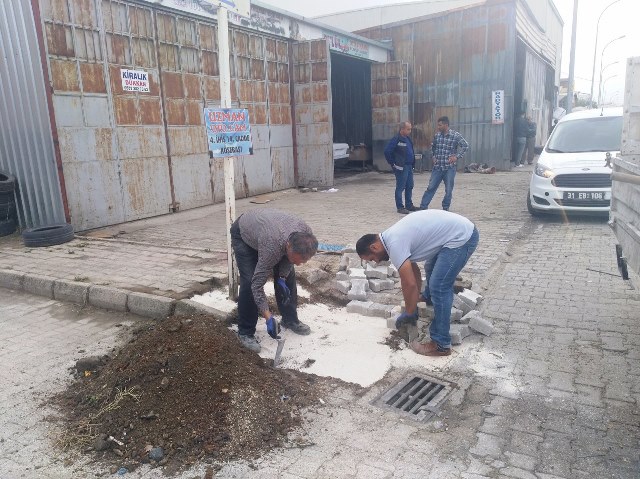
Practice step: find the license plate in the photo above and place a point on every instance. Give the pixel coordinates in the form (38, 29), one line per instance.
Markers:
(584, 195)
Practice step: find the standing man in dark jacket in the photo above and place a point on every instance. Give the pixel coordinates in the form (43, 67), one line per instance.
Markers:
(531, 141)
(269, 242)
(521, 128)
(399, 154)
(448, 147)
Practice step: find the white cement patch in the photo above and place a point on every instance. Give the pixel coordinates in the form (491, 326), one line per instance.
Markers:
(219, 298)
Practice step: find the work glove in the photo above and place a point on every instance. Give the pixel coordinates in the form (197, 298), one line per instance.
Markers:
(284, 290)
(405, 318)
(273, 327)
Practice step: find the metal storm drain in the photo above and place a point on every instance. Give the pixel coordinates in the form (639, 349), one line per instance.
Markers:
(417, 397)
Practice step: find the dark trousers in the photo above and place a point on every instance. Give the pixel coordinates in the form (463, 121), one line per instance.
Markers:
(529, 150)
(246, 260)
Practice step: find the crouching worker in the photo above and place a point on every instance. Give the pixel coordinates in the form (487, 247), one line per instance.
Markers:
(444, 241)
(268, 242)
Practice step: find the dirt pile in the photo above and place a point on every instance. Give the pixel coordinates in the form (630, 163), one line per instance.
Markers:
(183, 390)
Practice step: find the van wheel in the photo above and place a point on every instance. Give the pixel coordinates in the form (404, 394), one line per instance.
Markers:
(7, 183)
(47, 235)
(532, 211)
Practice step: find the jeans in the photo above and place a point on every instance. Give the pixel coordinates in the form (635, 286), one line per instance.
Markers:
(246, 260)
(441, 273)
(529, 151)
(404, 182)
(438, 175)
(520, 146)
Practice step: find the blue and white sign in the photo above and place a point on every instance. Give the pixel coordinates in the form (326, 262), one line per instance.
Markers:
(497, 107)
(228, 132)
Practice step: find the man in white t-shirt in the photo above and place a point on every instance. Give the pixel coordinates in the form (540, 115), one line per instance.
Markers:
(444, 241)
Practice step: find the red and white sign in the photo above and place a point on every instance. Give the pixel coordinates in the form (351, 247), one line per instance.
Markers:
(134, 80)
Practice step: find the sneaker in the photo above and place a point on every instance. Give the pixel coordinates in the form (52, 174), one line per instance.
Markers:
(297, 327)
(413, 208)
(249, 342)
(445, 209)
(403, 211)
(519, 166)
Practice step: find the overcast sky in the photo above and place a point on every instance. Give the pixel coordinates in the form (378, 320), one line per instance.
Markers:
(621, 18)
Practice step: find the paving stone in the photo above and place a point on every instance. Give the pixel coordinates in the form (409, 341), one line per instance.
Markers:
(343, 286)
(150, 305)
(456, 315)
(481, 325)
(376, 272)
(342, 276)
(359, 288)
(378, 285)
(379, 310)
(315, 275)
(71, 291)
(392, 271)
(458, 332)
(357, 273)
(349, 261)
(38, 285)
(469, 316)
(471, 298)
(11, 279)
(461, 305)
(109, 298)
(388, 297)
(425, 311)
(359, 307)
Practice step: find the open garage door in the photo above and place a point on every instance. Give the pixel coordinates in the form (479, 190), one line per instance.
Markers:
(389, 104)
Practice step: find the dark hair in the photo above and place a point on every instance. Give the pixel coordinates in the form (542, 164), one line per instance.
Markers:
(363, 244)
(444, 119)
(304, 244)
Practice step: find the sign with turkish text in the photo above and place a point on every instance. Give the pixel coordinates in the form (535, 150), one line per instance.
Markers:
(346, 45)
(134, 80)
(228, 132)
(206, 8)
(497, 107)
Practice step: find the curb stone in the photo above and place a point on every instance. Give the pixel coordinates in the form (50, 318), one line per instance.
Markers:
(71, 291)
(106, 297)
(144, 304)
(38, 285)
(186, 307)
(11, 279)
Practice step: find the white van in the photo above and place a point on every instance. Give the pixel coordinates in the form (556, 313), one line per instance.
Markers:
(573, 172)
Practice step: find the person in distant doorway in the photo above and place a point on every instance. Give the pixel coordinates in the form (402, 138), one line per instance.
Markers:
(400, 156)
(531, 141)
(269, 242)
(444, 241)
(448, 147)
(520, 127)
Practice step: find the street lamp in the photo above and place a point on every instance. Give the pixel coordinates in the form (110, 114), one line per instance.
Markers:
(602, 89)
(595, 50)
(601, 56)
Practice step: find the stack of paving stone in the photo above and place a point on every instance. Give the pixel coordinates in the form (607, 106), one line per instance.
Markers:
(374, 290)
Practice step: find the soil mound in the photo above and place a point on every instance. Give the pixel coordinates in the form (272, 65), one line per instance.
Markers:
(180, 391)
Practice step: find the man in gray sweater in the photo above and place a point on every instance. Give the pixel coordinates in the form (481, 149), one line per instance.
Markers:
(268, 242)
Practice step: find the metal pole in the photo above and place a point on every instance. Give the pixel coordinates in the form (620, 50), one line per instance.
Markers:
(229, 180)
(601, 57)
(595, 49)
(572, 57)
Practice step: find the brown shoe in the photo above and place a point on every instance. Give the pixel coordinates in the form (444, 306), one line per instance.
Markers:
(429, 349)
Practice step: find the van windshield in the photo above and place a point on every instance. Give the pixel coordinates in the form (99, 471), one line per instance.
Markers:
(602, 133)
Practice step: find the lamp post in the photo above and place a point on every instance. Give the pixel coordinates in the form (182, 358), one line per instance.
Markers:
(595, 50)
(602, 90)
(601, 56)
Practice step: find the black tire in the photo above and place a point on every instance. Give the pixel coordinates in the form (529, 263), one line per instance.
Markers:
(7, 206)
(7, 227)
(532, 211)
(7, 183)
(47, 235)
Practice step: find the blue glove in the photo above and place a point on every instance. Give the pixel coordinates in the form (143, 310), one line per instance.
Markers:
(406, 318)
(273, 327)
(284, 289)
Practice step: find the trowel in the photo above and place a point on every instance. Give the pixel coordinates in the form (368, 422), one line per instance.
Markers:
(276, 358)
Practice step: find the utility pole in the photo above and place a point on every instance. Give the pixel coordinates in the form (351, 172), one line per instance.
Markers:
(572, 56)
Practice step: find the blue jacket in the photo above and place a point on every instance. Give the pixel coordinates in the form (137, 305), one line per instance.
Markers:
(399, 151)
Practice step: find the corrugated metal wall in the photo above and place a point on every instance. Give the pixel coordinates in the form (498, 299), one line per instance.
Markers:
(130, 155)
(313, 114)
(26, 141)
(457, 60)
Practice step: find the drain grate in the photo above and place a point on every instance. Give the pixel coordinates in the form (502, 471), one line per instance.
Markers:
(417, 397)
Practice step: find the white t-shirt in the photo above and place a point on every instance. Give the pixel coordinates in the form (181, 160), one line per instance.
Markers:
(421, 235)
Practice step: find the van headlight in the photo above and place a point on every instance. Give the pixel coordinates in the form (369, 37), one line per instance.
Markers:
(544, 171)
